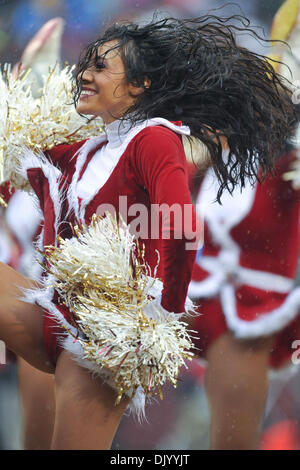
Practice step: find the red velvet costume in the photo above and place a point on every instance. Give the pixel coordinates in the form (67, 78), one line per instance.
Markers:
(145, 163)
(244, 278)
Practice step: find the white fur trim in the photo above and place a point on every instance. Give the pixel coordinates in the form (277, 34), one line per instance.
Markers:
(208, 288)
(222, 218)
(266, 324)
(264, 280)
(82, 155)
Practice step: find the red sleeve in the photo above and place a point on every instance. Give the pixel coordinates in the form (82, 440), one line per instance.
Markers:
(161, 166)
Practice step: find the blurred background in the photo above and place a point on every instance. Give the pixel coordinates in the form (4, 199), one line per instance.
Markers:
(181, 421)
(20, 19)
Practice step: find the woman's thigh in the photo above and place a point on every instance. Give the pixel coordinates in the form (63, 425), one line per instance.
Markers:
(86, 414)
(21, 323)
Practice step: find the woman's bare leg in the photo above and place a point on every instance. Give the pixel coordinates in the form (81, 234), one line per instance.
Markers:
(86, 416)
(237, 387)
(21, 324)
(38, 406)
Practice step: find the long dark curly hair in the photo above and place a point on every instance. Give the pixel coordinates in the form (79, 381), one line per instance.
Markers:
(198, 74)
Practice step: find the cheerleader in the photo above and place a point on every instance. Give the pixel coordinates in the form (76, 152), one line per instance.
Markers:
(243, 281)
(139, 80)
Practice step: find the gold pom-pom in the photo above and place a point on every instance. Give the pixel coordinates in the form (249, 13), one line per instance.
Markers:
(37, 123)
(101, 276)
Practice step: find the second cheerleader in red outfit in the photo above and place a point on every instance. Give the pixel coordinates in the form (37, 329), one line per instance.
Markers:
(244, 281)
(244, 284)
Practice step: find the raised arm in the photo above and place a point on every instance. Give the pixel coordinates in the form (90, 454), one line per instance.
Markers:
(161, 165)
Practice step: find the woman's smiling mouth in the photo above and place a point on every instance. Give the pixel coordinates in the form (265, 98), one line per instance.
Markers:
(86, 93)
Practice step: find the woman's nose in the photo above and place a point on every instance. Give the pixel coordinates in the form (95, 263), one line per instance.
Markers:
(87, 75)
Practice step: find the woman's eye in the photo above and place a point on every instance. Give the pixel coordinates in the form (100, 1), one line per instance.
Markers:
(99, 65)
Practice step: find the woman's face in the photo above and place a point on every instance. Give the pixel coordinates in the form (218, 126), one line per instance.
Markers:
(105, 90)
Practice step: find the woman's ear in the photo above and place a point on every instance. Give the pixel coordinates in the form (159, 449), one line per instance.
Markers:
(138, 90)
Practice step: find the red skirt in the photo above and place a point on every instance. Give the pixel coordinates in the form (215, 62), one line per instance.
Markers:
(211, 324)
